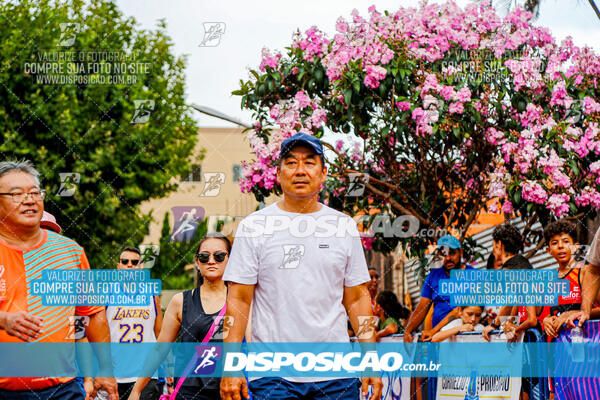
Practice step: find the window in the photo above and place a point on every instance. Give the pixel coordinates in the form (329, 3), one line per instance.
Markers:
(195, 174)
(237, 172)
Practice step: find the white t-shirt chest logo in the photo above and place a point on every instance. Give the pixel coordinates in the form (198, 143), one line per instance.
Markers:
(292, 254)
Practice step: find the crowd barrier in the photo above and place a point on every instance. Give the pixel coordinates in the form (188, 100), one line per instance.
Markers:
(538, 387)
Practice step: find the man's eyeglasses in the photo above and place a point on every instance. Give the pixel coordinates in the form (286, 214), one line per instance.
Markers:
(125, 261)
(18, 197)
(204, 257)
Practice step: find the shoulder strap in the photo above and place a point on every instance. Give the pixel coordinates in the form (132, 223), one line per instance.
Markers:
(192, 362)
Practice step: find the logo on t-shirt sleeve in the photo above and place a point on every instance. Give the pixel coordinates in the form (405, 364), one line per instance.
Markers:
(292, 254)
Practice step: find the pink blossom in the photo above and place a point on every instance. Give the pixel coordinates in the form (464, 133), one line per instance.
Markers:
(456, 108)
(403, 105)
(588, 197)
(303, 99)
(494, 136)
(275, 111)
(558, 204)
(367, 242)
(561, 180)
(318, 118)
(590, 105)
(595, 167)
(533, 192)
(447, 92)
(268, 60)
(560, 96)
(374, 75)
(463, 95)
(508, 149)
(339, 145)
(551, 163)
(507, 207)
(531, 114)
(493, 208)
(356, 154)
(497, 189)
(418, 114)
(341, 25)
(431, 82)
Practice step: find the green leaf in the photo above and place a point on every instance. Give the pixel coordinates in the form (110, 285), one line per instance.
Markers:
(347, 96)
(573, 209)
(574, 168)
(319, 75)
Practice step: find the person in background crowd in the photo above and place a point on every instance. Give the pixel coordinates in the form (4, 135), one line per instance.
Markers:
(190, 315)
(373, 286)
(468, 321)
(491, 311)
(561, 244)
(49, 222)
(451, 251)
(135, 324)
(590, 284)
(390, 313)
(507, 245)
(23, 317)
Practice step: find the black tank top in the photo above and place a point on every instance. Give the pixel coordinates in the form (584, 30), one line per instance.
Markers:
(195, 324)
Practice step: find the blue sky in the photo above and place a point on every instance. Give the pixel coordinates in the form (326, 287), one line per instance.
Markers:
(213, 72)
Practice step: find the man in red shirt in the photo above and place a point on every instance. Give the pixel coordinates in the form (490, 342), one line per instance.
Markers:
(25, 251)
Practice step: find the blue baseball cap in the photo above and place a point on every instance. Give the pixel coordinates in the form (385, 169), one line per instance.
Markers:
(449, 241)
(301, 138)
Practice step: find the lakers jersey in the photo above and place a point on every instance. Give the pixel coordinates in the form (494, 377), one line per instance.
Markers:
(131, 324)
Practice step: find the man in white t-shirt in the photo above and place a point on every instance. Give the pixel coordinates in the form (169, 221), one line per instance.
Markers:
(302, 267)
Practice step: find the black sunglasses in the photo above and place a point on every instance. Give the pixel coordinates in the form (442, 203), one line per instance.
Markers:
(125, 261)
(204, 257)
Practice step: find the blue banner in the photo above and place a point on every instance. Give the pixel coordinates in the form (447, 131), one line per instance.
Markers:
(114, 287)
(508, 287)
(298, 359)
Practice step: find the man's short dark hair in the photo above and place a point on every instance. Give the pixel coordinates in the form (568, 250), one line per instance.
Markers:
(510, 237)
(132, 249)
(558, 228)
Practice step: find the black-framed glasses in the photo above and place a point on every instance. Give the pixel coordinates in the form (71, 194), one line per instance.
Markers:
(126, 261)
(204, 257)
(19, 197)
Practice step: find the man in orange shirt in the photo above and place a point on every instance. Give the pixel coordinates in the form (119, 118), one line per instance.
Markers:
(26, 251)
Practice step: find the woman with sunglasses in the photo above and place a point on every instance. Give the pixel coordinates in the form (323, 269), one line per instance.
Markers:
(190, 315)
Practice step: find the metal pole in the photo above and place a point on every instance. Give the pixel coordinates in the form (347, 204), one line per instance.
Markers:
(218, 114)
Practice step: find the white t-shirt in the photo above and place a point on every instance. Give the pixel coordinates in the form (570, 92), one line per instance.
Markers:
(300, 264)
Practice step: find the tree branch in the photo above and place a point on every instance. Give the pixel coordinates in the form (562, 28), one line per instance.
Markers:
(471, 217)
(532, 252)
(396, 205)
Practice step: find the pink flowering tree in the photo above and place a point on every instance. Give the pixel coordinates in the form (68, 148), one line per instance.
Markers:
(448, 108)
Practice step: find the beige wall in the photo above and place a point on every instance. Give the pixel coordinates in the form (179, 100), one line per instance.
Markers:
(224, 148)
